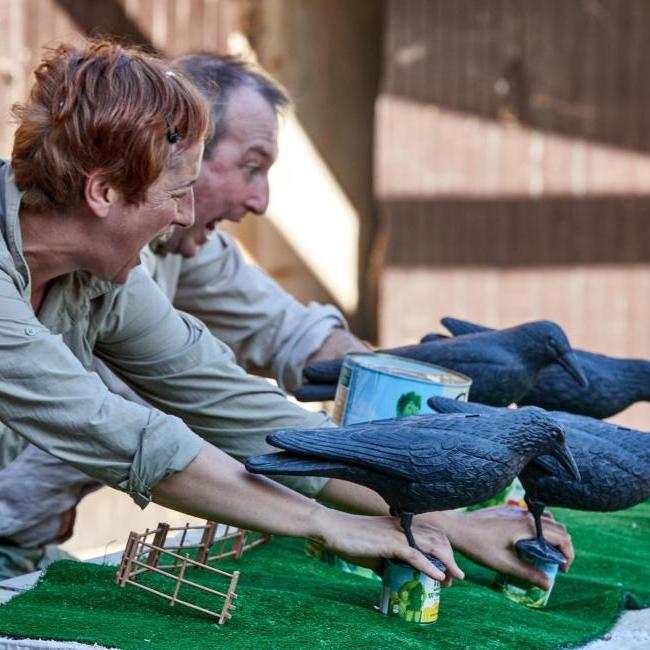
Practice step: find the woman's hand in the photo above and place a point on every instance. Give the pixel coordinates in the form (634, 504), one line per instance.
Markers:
(488, 536)
(365, 539)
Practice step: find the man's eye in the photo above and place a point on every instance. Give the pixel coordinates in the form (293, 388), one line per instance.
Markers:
(251, 169)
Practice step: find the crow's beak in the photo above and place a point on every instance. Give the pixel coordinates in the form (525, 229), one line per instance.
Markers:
(570, 363)
(565, 458)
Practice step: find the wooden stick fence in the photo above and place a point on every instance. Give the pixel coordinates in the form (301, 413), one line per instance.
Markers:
(143, 556)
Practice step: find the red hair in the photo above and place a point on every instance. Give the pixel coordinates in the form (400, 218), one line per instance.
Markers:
(106, 107)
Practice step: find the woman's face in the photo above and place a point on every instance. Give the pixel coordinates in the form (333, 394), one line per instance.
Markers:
(169, 203)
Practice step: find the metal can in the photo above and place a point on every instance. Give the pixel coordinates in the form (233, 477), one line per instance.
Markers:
(409, 594)
(378, 386)
(544, 557)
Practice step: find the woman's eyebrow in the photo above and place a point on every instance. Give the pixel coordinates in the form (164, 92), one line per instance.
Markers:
(186, 185)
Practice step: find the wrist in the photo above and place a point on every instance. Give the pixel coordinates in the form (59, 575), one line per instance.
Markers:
(451, 522)
(316, 525)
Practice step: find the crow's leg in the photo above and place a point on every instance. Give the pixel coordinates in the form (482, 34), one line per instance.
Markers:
(405, 520)
(536, 508)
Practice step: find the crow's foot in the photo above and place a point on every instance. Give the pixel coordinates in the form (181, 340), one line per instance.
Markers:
(536, 508)
(405, 520)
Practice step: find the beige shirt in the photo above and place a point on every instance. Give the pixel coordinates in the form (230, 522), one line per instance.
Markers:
(196, 390)
(265, 327)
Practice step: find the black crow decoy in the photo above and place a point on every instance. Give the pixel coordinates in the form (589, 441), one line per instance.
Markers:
(503, 365)
(614, 462)
(421, 463)
(614, 384)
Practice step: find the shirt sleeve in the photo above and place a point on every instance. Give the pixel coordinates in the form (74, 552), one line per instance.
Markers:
(174, 363)
(243, 307)
(48, 397)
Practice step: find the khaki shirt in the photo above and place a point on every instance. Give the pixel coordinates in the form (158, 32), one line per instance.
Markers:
(48, 396)
(265, 327)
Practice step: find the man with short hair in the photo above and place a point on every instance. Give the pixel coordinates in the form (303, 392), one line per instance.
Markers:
(202, 272)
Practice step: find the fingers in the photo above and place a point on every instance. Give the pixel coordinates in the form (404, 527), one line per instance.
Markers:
(447, 558)
(528, 572)
(557, 535)
(437, 544)
(323, 372)
(418, 561)
(433, 541)
(315, 392)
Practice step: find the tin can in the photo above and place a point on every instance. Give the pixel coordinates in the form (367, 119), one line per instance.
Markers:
(378, 386)
(544, 557)
(409, 594)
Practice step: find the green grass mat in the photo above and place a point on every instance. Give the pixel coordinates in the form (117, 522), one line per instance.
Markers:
(287, 600)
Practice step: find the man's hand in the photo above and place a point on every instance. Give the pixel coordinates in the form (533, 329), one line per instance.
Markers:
(334, 348)
(488, 537)
(321, 372)
(362, 540)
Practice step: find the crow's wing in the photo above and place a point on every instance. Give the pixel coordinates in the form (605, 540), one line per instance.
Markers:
(415, 447)
(634, 442)
(285, 462)
(374, 445)
(611, 478)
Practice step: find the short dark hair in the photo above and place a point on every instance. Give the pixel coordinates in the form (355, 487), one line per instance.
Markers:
(216, 76)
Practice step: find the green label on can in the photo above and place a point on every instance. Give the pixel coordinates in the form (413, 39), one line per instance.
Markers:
(409, 594)
(524, 592)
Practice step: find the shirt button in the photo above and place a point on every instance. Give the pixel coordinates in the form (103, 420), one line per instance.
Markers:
(30, 331)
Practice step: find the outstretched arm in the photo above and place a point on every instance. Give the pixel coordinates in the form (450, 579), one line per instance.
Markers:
(216, 486)
(486, 536)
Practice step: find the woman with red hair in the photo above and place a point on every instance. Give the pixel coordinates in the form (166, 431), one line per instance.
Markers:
(106, 152)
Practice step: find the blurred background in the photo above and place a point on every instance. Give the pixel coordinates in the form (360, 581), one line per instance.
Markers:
(486, 159)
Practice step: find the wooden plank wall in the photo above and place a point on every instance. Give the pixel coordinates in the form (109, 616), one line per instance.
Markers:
(173, 27)
(512, 169)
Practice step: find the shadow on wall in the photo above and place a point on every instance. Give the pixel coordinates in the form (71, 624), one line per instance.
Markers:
(517, 232)
(106, 17)
(575, 68)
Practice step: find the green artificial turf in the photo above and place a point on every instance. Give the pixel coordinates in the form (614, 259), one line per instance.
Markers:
(287, 600)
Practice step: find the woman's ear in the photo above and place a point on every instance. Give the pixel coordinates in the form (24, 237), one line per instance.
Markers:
(99, 194)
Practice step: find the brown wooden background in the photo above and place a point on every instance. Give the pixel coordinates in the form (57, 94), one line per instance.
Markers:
(512, 169)
(510, 142)
(172, 27)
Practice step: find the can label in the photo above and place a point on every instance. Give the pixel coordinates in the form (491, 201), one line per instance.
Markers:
(524, 592)
(516, 495)
(379, 386)
(342, 393)
(409, 594)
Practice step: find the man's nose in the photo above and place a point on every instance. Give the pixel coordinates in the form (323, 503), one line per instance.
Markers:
(258, 201)
(185, 215)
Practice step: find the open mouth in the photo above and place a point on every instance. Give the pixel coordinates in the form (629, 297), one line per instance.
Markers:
(165, 236)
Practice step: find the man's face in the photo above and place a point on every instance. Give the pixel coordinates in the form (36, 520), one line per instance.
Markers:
(169, 203)
(234, 179)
